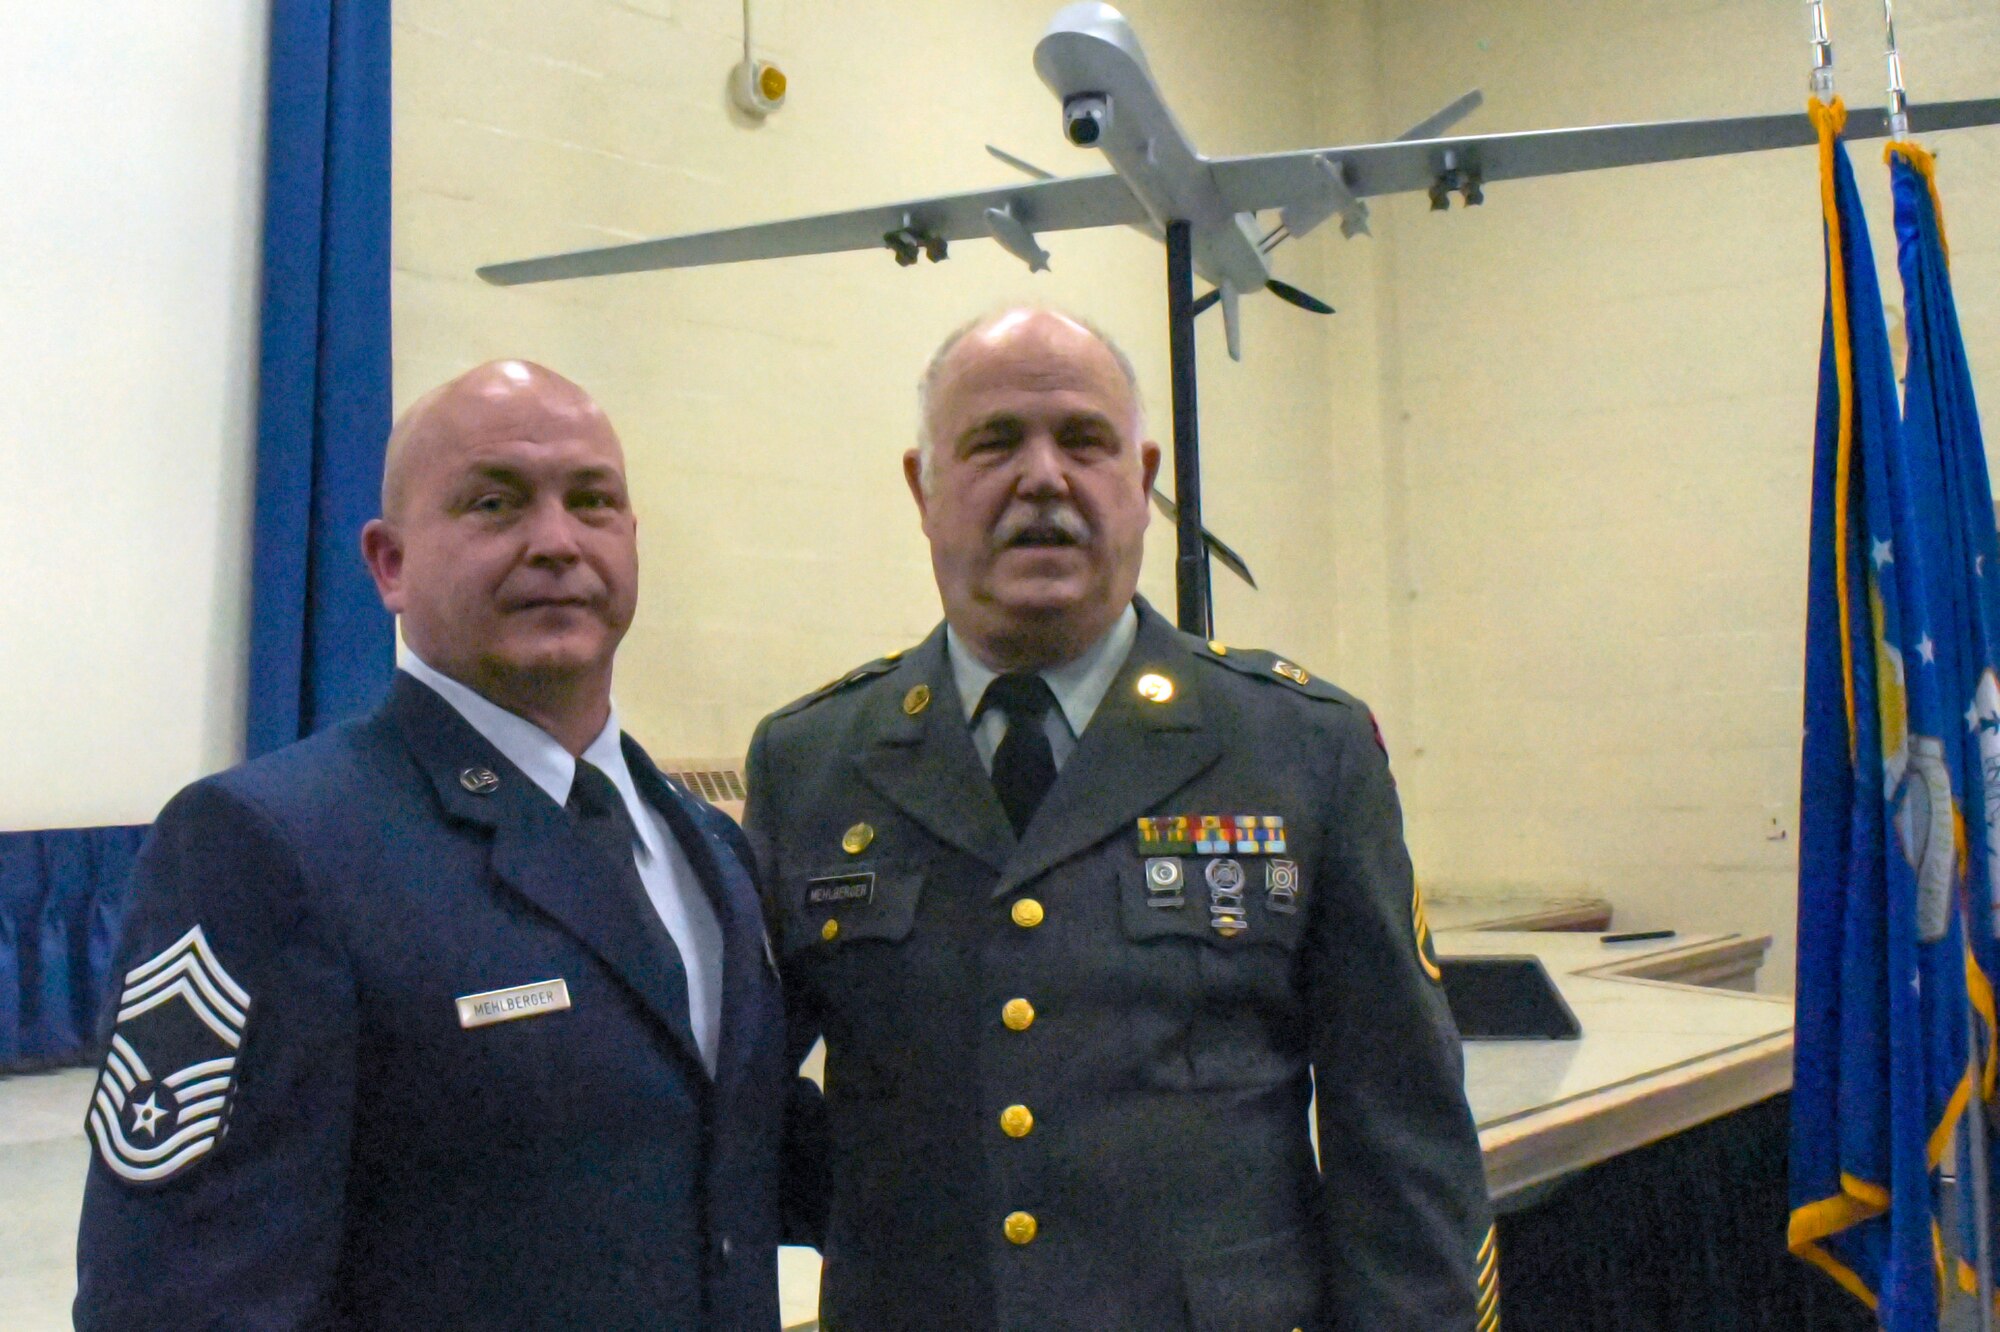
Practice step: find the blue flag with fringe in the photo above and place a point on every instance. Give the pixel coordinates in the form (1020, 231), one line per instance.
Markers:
(1941, 432)
(1881, 1071)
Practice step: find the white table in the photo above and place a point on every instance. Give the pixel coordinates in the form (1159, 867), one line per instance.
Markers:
(1662, 1050)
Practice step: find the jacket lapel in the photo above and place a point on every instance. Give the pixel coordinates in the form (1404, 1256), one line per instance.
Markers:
(538, 855)
(725, 880)
(1133, 755)
(925, 763)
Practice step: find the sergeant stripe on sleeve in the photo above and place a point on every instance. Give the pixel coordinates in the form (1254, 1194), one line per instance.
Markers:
(1426, 950)
(1489, 1282)
(163, 1098)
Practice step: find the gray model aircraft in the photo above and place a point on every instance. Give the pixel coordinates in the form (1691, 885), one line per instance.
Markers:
(1091, 60)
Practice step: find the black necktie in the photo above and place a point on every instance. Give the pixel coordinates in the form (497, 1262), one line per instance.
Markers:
(601, 817)
(1024, 767)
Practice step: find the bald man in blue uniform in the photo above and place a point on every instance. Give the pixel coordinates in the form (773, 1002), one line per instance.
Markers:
(461, 1015)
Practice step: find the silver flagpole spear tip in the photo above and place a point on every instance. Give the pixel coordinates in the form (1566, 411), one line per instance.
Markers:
(1822, 50)
(1899, 104)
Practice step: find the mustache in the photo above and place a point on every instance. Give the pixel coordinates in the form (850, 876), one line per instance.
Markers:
(588, 597)
(1053, 523)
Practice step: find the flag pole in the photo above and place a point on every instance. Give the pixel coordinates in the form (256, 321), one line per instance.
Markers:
(1899, 102)
(1982, 1195)
(1822, 49)
(1898, 110)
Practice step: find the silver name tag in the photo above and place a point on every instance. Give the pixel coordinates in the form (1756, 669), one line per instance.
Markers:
(477, 1010)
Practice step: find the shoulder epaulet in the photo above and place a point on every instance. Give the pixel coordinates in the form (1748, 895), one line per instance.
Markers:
(879, 666)
(1269, 666)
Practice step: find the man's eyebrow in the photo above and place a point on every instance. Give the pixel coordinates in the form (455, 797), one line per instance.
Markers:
(1010, 422)
(502, 474)
(497, 472)
(1014, 421)
(1088, 418)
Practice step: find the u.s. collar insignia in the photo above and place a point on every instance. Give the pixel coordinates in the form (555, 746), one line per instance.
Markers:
(169, 1078)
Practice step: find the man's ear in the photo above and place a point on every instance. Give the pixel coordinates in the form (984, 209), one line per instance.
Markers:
(913, 476)
(382, 550)
(1149, 465)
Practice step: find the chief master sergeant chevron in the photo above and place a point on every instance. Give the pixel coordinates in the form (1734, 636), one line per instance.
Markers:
(1081, 905)
(459, 1016)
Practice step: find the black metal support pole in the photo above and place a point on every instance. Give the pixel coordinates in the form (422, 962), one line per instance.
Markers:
(1191, 554)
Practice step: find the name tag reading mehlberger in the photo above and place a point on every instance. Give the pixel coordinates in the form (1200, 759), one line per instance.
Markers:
(477, 1010)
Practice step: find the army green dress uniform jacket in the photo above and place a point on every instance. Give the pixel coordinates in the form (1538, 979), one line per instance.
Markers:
(1067, 1078)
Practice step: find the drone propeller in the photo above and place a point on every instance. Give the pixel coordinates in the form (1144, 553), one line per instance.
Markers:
(1228, 558)
(1286, 292)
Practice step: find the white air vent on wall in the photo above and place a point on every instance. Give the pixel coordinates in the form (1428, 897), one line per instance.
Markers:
(718, 781)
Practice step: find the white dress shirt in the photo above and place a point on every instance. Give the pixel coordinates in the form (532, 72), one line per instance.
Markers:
(1079, 686)
(663, 866)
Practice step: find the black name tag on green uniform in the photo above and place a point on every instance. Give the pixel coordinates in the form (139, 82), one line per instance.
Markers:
(841, 890)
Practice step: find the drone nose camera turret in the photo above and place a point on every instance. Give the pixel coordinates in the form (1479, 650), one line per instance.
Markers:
(1086, 117)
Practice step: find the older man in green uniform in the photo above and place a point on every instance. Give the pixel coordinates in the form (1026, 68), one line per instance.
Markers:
(1084, 907)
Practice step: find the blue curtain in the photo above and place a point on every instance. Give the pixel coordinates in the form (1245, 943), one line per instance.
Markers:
(61, 896)
(321, 646)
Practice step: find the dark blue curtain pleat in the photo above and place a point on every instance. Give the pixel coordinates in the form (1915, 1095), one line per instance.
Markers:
(62, 894)
(321, 646)
(113, 850)
(20, 876)
(66, 885)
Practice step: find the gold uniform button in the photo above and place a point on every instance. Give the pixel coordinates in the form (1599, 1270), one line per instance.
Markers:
(917, 699)
(1027, 913)
(1018, 1014)
(1020, 1228)
(1017, 1121)
(856, 839)
(1220, 650)
(830, 931)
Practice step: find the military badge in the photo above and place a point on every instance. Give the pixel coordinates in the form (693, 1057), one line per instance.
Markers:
(1164, 881)
(1225, 897)
(169, 1078)
(1281, 886)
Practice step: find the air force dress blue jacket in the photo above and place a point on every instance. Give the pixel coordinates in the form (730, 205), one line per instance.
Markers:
(392, 1050)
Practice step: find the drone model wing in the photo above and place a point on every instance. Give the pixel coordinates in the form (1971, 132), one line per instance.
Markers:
(1091, 60)
(919, 226)
(1444, 166)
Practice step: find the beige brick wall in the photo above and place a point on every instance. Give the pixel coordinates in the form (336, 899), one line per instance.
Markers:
(1601, 400)
(765, 406)
(1538, 492)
